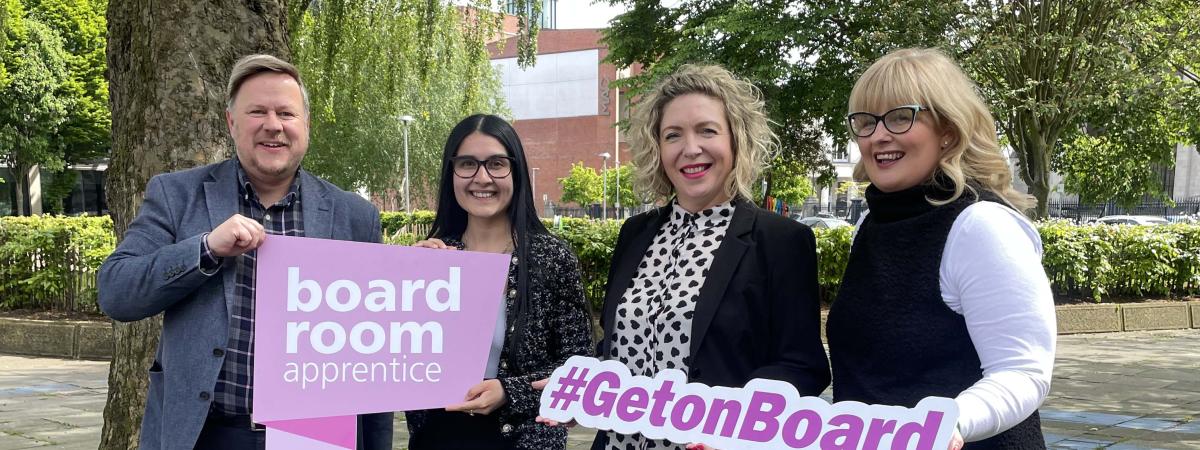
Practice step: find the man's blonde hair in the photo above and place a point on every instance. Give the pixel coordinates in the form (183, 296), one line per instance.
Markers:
(929, 78)
(252, 65)
(753, 141)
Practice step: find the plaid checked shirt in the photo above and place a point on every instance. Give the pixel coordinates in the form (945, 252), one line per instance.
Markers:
(235, 384)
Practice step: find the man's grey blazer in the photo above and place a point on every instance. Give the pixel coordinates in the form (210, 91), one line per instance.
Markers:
(156, 269)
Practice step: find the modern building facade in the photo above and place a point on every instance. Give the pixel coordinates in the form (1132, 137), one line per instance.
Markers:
(87, 197)
(565, 106)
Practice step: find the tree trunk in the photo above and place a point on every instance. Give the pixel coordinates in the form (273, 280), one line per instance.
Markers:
(168, 64)
(1033, 157)
(1039, 186)
(1040, 191)
(21, 186)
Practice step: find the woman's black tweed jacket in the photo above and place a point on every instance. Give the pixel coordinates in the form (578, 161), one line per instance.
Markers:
(556, 326)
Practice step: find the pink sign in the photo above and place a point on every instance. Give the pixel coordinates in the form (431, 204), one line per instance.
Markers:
(764, 414)
(323, 433)
(345, 328)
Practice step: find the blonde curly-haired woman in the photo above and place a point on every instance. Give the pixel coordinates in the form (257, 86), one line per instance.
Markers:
(709, 284)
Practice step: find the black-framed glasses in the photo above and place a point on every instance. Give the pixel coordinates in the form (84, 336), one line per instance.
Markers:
(496, 166)
(898, 120)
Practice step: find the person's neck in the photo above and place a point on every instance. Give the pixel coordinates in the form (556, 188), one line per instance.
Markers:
(697, 205)
(270, 191)
(493, 235)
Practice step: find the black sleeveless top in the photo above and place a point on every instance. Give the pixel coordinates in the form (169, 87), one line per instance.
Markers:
(892, 339)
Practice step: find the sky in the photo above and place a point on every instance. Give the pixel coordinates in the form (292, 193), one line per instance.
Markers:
(574, 14)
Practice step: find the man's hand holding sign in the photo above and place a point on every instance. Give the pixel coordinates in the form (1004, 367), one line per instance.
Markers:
(765, 414)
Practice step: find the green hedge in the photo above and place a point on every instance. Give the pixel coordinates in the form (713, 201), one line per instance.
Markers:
(50, 262)
(404, 228)
(1100, 261)
(833, 252)
(593, 242)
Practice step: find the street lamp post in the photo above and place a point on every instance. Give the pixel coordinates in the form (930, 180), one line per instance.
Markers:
(617, 143)
(405, 119)
(604, 178)
(533, 184)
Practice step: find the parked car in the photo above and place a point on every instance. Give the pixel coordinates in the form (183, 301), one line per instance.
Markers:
(1132, 220)
(824, 222)
(1181, 218)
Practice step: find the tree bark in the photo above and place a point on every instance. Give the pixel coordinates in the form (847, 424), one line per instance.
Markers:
(1041, 191)
(21, 186)
(168, 64)
(1035, 169)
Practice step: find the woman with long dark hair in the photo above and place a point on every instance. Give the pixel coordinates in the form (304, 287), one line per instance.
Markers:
(485, 204)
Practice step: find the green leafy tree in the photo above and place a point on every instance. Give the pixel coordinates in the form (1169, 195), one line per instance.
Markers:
(586, 186)
(582, 186)
(1050, 67)
(484, 18)
(626, 195)
(787, 180)
(85, 132)
(367, 63)
(1117, 153)
(32, 109)
(61, 56)
(9, 25)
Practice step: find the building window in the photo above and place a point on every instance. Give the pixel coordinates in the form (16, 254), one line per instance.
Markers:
(1166, 178)
(548, 17)
(8, 192)
(87, 197)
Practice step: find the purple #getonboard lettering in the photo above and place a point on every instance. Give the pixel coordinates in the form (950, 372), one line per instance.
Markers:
(765, 414)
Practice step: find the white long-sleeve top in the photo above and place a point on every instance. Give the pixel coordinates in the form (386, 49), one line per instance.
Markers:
(991, 273)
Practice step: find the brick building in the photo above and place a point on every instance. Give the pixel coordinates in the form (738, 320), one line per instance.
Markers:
(564, 106)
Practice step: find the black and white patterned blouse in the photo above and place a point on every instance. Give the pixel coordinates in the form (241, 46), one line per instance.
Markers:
(654, 317)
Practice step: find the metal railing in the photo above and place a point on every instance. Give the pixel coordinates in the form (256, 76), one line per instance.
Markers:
(1082, 212)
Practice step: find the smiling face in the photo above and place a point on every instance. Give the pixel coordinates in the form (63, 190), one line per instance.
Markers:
(895, 162)
(696, 150)
(482, 196)
(269, 127)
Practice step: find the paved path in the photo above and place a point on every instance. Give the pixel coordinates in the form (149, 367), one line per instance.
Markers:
(1136, 390)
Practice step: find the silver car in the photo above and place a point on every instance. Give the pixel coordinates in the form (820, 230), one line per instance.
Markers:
(1132, 220)
(824, 222)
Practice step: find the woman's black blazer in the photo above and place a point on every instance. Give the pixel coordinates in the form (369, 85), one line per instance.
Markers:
(758, 313)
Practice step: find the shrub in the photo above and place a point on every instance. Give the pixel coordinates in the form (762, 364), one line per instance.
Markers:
(50, 262)
(593, 242)
(1101, 260)
(403, 228)
(833, 252)
(1077, 258)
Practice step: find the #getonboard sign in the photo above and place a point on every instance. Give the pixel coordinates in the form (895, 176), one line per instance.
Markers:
(765, 414)
(344, 328)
